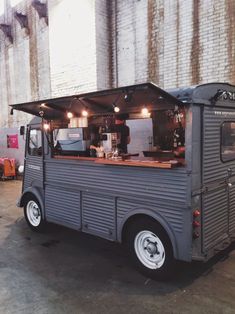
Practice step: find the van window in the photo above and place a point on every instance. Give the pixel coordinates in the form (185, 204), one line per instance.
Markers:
(228, 141)
(35, 142)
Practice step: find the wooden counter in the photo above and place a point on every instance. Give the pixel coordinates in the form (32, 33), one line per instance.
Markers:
(75, 158)
(136, 163)
(133, 162)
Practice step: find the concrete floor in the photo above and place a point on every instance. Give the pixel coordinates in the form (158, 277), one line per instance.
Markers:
(63, 271)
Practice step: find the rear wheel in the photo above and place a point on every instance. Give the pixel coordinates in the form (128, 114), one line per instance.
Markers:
(33, 214)
(151, 249)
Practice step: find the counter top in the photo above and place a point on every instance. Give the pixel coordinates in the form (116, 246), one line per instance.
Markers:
(133, 161)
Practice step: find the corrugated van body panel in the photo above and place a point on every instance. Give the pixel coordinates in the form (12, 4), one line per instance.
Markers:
(33, 173)
(63, 206)
(99, 214)
(217, 204)
(232, 210)
(172, 213)
(215, 215)
(143, 183)
(109, 193)
(213, 167)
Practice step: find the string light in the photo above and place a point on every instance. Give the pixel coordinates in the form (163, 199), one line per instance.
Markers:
(69, 115)
(116, 109)
(84, 113)
(145, 111)
(46, 126)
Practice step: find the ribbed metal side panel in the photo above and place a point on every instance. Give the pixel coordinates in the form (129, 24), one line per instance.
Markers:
(213, 167)
(108, 191)
(33, 174)
(165, 184)
(215, 217)
(172, 213)
(219, 206)
(98, 214)
(63, 207)
(232, 211)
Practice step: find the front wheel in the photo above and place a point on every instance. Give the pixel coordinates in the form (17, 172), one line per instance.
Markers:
(151, 249)
(33, 214)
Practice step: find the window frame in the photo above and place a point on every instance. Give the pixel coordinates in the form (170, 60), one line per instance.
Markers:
(28, 147)
(221, 139)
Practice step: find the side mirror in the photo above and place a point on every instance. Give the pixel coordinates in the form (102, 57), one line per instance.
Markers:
(22, 130)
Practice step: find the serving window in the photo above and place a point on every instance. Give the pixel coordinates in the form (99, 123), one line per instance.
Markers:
(159, 135)
(228, 141)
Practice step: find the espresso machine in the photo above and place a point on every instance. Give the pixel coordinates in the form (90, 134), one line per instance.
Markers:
(109, 141)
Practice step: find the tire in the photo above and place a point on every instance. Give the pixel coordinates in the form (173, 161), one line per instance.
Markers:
(151, 249)
(33, 214)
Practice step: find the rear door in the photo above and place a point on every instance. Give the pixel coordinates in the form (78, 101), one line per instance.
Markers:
(228, 157)
(216, 173)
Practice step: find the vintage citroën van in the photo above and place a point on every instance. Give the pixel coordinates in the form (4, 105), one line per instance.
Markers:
(150, 168)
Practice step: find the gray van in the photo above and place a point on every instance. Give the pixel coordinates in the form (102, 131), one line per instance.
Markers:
(170, 197)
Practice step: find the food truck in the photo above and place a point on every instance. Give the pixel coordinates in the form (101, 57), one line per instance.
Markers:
(168, 195)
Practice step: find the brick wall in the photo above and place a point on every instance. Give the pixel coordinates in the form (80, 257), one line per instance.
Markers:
(97, 44)
(72, 46)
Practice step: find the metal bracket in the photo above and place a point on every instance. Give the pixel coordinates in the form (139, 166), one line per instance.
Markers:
(41, 9)
(6, 29)
(23, 20)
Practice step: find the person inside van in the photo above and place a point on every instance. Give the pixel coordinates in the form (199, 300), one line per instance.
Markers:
(123, 131)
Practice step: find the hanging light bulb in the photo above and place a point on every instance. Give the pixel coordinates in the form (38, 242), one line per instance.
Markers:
(69, 115)
(145, 111)
(46, 126)
(84, 113)
(116, 109)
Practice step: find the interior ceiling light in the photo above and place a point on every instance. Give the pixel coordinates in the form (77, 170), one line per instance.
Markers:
(145, 111)
(46, 126)
(84, 113)
(43, 105)
(116, 108)
(69, 115)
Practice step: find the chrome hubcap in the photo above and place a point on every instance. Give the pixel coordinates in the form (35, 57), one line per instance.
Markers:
(149, 249)
(33, 213)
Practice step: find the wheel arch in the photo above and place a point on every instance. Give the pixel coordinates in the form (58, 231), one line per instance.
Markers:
(32, 191)
(137, 215)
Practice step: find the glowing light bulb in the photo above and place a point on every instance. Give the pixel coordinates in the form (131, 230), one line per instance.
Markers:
(116, 109)
(145, 111)
(84, 113)
(43, 105)
(69, 115)
(46, 126)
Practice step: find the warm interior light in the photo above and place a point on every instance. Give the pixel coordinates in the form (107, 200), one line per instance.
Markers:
(46, 126)
(69, 115)
(145, 111)
(84, 113)
(116, 109)
(43, 105)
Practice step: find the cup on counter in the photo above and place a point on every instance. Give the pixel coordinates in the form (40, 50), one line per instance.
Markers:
(108, 155)
(100, 154)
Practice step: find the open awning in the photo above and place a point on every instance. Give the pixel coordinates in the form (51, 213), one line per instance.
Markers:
(128, 99)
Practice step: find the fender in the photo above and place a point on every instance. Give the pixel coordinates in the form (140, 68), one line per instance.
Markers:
(37, 192)
(155, 215)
